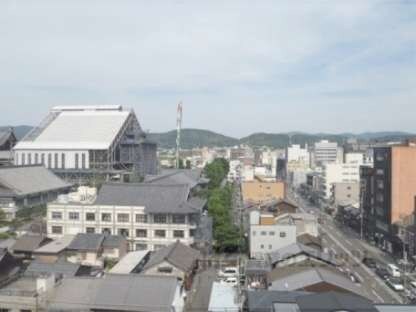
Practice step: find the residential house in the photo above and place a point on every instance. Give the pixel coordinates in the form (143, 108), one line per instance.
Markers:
(26, 245)
(224, 298)
(51, 252)
(176, 260)
(60, 268)
(131, 263)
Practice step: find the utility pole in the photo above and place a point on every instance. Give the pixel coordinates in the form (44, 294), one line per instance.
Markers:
(178, 133)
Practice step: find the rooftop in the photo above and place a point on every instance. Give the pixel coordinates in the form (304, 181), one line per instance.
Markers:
(29, 243)
(96, 128)
(155, 198)
(191, 177)
(86, 242)
(223, 298)
(177, 254)
(134, 293)
(129, 262)
(56, 246)
(25, 180)
(37, 268)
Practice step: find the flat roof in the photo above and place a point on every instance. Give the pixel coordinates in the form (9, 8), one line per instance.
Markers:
(223, 298)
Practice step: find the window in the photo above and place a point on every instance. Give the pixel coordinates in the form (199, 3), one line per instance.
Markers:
(166, 270)
(16, 161)
(380, 184)
(156, 247)
(63, 161)
(42, 159)
(49, 160)
(23, 159)
(106, 217)
(141, 233)
(73, 216)
(90, 230)
(159, 218)
(160, 233)
(141, 218)
(90, 216)
(56, 215)
(380, 172)
(270, 247)
(261, 246)
(36, 158)
(56, 166)
(178, 234)
(123, 217)
(123, 232)
(83, 161)
(282, 234)
(29, 159)
(254, 233)
(192, 233)
(57, 230)
(272, 233)
(106, 231)
(178, 219)
(141, 246)
(263, 233)
(76, 161)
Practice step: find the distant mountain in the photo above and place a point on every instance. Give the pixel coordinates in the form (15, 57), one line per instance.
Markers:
(191, 138)
(19, 131)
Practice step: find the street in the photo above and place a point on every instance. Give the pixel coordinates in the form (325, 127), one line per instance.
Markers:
(348, 249)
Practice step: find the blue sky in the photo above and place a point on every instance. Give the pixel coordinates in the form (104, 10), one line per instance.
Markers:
(238, 66)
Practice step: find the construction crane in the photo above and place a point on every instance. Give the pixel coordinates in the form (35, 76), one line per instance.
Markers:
(178, 133)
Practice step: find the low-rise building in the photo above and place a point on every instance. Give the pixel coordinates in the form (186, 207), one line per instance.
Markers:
(265, 235)
(149, 215)
(28, 186)
(26, 245)
(345, 193)
(132, 263)
(259, 192)
(176, 260)
(51, 252)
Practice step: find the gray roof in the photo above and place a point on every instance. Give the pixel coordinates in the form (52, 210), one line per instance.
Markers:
(114, 241)
(257, 266)
(28, 243)
(263, 300)
(56, 246)
(37, 268)
(313, 276)
(25, 180)
(177, 254)
(295, 249)
(7, 243)
(87, 242)
(191, 177)
(154, 197)
(115, 292)
(334, 301)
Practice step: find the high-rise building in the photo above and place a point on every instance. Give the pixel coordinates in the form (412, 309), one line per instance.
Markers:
(389, 195)
(327, 152)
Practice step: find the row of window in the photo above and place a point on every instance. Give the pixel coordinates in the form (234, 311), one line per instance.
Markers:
(121, 217)
(270, 233)
(140, 233)
(39, 159)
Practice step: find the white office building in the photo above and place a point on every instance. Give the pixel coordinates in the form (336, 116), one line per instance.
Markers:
(149, 215)
(326, 152)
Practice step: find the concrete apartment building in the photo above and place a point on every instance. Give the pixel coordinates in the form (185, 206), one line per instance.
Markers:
(389, 197)
(78, 142)
(326, 152)
(149, 215)
(345, 194)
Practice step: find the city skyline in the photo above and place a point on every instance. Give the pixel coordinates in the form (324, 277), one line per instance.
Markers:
(321, 67)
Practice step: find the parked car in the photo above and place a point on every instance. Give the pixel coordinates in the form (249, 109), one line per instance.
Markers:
(228, 272)
(382, 272)
(395, 284)
(370, 263)
(393, 270)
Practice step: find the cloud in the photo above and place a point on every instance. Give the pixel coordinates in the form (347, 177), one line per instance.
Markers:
(242, 55)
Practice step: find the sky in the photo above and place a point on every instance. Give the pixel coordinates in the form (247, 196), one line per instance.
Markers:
(238, 66)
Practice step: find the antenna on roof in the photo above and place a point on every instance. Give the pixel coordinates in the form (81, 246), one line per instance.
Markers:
(178, 132)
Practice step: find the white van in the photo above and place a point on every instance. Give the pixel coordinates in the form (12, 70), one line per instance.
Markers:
(393, 270)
